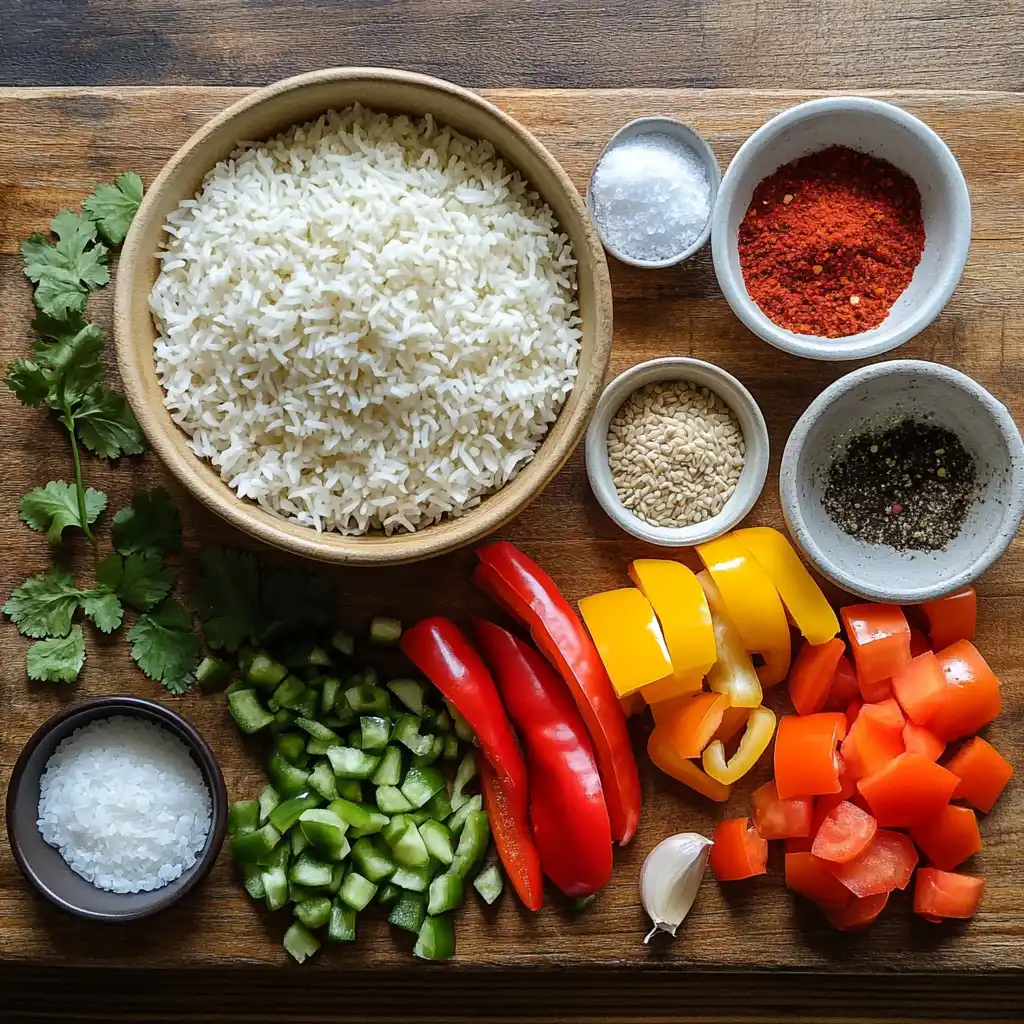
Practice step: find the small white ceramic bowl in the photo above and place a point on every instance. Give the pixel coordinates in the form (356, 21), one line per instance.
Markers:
(877, 396)
(688, 137)
(882, 130)
(755, 438)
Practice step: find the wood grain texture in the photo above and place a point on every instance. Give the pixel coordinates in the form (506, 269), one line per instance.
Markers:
(832, 44)
(678, 311)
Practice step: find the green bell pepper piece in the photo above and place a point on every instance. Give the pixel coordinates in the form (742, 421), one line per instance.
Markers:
(385, 632)
(350, 789)
(311, 871)
(415, 879)
(438, 841)
(409, 912)
(314, 912)
(436, 940)
(464, 774)
(389, 894)
(367, 699)
(290, 694)
(253, 847)
(357, 891)
(461, 726)
(436, 747)
(391, 800)
(212, 674)
(489, 883)
(322, 780)
(269, 799)
(317, 731)
(420, 785)
(450, 751)
(439, 806)
(292, 747)
(350, 763)
(264, 671)
(458, 819)
(372, 860)
(342, 926)
(410, 693)
(252, 879)
(300, 942)
(389, 771)
(374, 731)
(407, 732)
(344, 643)
(326, 832)
(329, 689)
(299, 842)
(285, 814)
(275, 882)
(446, 893)
(243, 816)
(409, 850)
(250, 716)
(472, 844)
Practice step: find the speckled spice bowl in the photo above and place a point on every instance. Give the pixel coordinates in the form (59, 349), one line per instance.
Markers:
(43, 865)
(877, 396)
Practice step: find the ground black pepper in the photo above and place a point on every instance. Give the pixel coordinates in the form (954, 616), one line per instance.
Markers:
(909, 486)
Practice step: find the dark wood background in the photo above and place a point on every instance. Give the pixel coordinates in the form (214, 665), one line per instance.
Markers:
(547, 43)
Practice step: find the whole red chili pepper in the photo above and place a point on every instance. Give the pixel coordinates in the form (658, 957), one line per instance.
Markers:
(567, 806)
(520, 586)
(440, 651)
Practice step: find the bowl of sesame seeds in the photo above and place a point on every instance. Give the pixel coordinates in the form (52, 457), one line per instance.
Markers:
(677, 451)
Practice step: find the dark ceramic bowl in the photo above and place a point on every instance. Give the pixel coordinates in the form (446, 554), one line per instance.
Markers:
(43, 865)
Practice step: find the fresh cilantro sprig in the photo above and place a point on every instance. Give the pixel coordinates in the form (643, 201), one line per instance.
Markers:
(67, 371)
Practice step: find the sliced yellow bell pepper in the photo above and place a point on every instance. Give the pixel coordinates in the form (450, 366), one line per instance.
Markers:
(682, 609)
(806, 604)
(733, 673)
(754, 742)
(666, 757)
(753, 604)
(628, 638)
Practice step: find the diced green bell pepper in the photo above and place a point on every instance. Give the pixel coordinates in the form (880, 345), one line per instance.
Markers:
(342, 926)
(374, 733)
(438, 841)
(250, 716)
(314, 912)
(252, 879)
(322, 780)
(357, 891)
(299, 842)
(409, 912)
(290, 694)
(311, 871)
(395, 828)
(446, 893)
(391, 800)
(367, 699)
(458, 819)
(389, 894)
(275, 882)
(286, 813)
(461, 726)
(317, 731)
(264, 671)
(329, 694)
(472, 844)
(415, 879)
(489, 883)
(421, 784)
(372, 859)
(385, 632)
(439, 806)
(410, 693)
(269, 799)
(325, 831)
(301, 943)
(350, 763)
(436, 746)
(436, 940)
(407, 732)
(292, 747)
(464, 774)
(389, 771)
(409, 850)
(243, 816)
(343, 643)
(450, 751)
(253, 847)
(212, 674)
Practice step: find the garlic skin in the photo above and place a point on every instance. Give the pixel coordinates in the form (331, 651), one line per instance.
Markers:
(670, 878)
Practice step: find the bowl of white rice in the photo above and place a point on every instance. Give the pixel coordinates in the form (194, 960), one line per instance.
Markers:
(116, 809)
(363, 315)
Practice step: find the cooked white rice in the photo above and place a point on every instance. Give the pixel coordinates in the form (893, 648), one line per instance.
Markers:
(366, 322)
(125, 804)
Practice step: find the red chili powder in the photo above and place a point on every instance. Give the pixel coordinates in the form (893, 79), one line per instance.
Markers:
(830, 242)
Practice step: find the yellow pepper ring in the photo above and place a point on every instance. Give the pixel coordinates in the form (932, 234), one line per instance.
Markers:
(755, 740)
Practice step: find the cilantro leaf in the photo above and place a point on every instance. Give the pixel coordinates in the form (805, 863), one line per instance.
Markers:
(64, 273)
(105, 610)
(145, 581)
(58, 660)
(294, 601)
(53, 508)
(112, 207)
(226, 596)
(165, 647)
(53, 329)
(29, 381)
(151, 524)
(106, 426)
(110, 572)
(76, 366)
(44, 605)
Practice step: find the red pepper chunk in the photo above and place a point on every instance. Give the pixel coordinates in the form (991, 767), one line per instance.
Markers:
(449, 661)
(909, 790)
(567, 805)
(887, 863)
(941, 894)
(949, 838)
(775, 818)
(806, 760)
(879, 636)
(972, 691)
(738, 851)
(952, 618)
(982, 773)
(521, 587)
(844, 687)
(810, 678)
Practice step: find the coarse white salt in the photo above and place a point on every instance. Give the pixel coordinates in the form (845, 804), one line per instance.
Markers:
(125, 804)
(651, 197)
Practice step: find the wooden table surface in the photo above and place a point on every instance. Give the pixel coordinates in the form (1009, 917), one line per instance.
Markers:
(737, 43)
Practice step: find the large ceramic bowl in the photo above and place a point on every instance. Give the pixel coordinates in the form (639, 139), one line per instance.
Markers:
(266, 113)
(874, 397)
(884, 131)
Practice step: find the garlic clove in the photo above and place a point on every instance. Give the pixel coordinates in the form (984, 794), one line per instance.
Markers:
(670, 878)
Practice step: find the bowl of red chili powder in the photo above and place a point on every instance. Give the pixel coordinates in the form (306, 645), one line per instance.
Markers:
(841, 229)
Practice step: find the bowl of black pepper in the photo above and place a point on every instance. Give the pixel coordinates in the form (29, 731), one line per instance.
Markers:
(903, 481)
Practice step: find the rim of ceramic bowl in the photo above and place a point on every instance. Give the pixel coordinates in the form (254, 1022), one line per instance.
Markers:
(755, 437)
(702, 148)
(206, 762)
(790, 485)
(867, 343)
(373, 549)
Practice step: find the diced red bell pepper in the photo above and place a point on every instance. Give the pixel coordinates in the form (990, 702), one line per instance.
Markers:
(942, 894)
(520, 586)
(859, 912)
(887, 863)
(806, 760)
(982, 772)
(879, 638)
(810, 876)
(952, 618)
(739, 852)
(798, 844)
(949, 838)
(908, 791)
(887, 713)
(844, 833)
(871, 743)
(919, 643)
(844, 687)
(853, 709)
(920, 688)
(972, 689)
(567, 807)
(810, 678)
(775, 818)
(919, 740)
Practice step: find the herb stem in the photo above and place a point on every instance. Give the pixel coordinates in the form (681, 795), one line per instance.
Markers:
(83, 516)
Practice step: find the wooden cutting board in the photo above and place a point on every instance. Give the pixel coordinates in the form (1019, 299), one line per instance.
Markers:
(55, 145)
